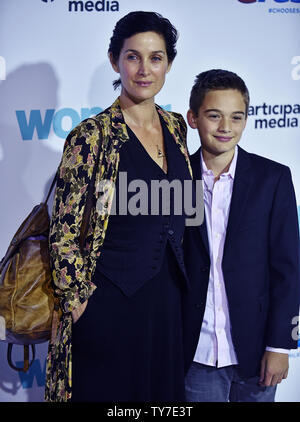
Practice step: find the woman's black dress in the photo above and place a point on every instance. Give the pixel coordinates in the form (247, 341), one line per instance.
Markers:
(128, 344)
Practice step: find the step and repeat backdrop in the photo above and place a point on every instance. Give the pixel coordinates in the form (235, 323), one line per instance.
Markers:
(54, 72)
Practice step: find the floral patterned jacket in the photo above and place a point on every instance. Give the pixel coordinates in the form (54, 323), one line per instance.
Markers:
(72, 269)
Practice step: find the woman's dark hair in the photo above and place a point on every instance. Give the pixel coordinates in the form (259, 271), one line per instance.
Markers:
(216, 79)
(137, 22)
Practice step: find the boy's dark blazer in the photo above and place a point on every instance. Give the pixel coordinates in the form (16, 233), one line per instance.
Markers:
(260, 261)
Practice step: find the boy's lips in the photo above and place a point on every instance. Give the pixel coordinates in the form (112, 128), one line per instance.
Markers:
(223, 138)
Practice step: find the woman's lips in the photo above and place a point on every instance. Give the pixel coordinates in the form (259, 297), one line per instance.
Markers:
(143, 83)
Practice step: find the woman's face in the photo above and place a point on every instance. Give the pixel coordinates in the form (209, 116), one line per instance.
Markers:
(142, 65)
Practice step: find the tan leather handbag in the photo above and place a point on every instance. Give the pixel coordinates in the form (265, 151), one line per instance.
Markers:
(26, 294)
(27, 299)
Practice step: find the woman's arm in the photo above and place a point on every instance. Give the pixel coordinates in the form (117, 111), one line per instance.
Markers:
(75, 173)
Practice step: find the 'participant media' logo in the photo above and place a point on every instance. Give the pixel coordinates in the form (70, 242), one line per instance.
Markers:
(91, 6)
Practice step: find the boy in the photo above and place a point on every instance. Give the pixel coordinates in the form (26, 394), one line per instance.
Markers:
(244, 258)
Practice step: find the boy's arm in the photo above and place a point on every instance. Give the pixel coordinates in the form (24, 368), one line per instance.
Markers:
(284, 265)
(284, 282)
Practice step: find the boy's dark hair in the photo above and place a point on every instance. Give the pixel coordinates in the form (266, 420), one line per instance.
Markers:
(216, 79)
(137, 22)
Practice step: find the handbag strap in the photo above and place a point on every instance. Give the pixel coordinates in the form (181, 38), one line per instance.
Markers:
(26, 364)
(51, 187)
(89, 201)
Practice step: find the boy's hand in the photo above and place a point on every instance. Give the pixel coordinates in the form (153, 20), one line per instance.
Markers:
(274, 368)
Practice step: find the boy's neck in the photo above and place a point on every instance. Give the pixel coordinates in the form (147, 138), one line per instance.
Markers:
(218, 164)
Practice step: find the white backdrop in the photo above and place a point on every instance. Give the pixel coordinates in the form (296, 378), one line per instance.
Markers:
(54, 72)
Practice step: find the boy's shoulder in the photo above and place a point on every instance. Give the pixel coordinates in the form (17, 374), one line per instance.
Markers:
(263, 163)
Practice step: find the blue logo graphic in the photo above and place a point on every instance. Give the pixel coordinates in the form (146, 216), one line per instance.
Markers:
(52, 118)
(34, 372)
(42, 125)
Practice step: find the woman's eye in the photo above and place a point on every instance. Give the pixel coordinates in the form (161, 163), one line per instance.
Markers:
(156, 58)
(132, 57)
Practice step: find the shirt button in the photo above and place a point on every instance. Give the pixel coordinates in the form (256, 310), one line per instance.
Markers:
(171, 232)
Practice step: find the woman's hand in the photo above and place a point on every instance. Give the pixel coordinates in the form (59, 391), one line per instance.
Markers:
(76, 313)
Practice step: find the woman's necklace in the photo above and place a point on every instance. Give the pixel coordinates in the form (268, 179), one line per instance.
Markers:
(159, 150)
(160, 154)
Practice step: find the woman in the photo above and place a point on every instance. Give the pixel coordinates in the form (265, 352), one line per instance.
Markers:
(120, 336)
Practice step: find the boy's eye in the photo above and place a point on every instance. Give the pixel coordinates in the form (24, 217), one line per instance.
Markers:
(213, 116)
(237, 118)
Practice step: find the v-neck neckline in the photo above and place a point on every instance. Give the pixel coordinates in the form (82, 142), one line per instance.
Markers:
(131, 132)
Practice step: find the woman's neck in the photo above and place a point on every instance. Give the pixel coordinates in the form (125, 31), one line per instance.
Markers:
(142, 114)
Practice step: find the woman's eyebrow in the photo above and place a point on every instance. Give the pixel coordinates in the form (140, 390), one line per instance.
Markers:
(137, 52)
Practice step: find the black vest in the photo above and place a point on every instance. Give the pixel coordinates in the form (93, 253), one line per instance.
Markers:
(134, 245)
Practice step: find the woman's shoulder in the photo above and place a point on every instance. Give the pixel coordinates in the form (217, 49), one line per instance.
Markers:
(172, 116)
(87, 131)
(174, 120)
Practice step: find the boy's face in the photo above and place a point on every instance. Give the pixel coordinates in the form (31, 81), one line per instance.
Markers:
(220, 122)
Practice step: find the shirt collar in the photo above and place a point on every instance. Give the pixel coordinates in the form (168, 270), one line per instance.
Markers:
(231, 170)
